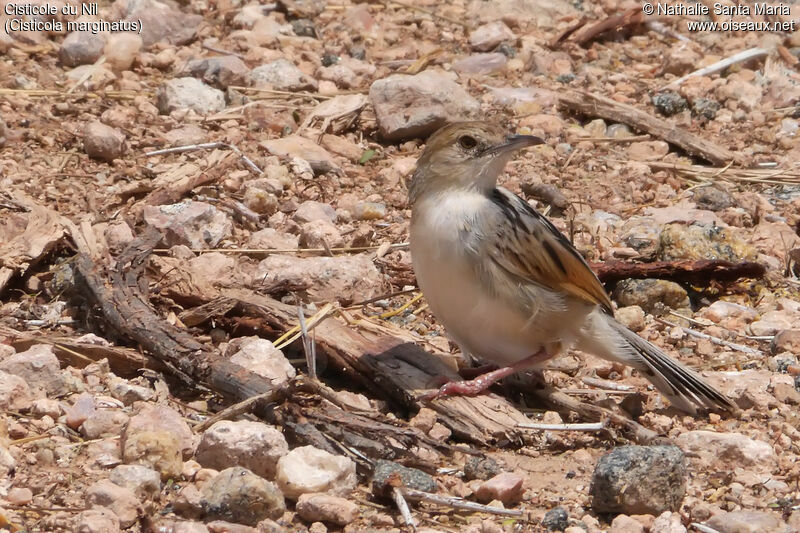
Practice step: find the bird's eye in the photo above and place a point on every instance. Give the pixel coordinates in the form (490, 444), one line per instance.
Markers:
(466, 142)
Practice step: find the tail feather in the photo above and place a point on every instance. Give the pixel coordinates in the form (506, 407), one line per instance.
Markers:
(684, 388)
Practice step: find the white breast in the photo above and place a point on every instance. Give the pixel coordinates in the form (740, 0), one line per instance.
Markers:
(443, 231)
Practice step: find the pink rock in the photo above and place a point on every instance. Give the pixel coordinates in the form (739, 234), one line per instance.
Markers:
(319, 233)
(714, 449)
(195, 224)
(81, 409)
(506, 487)
(121, 501)
(625, 524)
(326, 508)
(162, 418)
(39, 367)
(104, 423)
(668, 522)
(261, 357)
(20, 496)
(253, 445)
(97, 520)
(488, 36)
(295, 146)
(15, 394)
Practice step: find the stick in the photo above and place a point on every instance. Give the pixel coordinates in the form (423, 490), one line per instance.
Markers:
(700, 271)
(702, 528)
(716, 340)
(456, 502)
(591, 426)
(269, 251)
(606, 384)
(599, 106)
(632, 17)
(402, 505)
(722, 64)
(208, 146)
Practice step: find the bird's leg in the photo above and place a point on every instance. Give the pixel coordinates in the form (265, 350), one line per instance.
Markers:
(476, 386)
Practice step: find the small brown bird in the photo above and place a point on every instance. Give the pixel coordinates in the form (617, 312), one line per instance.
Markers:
(509, 288)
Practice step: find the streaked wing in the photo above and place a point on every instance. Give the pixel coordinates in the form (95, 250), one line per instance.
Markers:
(532, 249)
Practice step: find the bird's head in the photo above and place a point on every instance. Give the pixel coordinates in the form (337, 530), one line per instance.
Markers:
(465, 155)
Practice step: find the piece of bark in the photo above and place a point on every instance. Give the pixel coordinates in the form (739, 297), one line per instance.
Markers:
(587, 33)
(688, 271)
(44, 230)
(594, 105)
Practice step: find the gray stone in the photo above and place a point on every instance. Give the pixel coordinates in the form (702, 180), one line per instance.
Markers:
(194, 224)
(103, 142)
(240, 496)
(481, 468)
(189, 93)
(646, 293)
(639, 480)
(81, 48)
(218, 71)
(415, 106)
(159, 21)
(713, 198)
(556, 519)
(386, 471)
(669, 103)
(488, 36)
(143, 481)
(282, 75)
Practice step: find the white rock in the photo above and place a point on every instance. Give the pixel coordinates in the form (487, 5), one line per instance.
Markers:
(143, 481)
(488, 36)
(189, 93)
(308, 469)
(282, 75)
(712, 448)
(123, 502)
(261, 357)
(194, 224)
(253, 445)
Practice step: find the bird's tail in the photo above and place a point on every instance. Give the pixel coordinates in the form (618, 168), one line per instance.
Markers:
(684, 388)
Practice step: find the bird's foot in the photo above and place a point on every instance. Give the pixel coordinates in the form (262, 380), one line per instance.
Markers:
(471, 387)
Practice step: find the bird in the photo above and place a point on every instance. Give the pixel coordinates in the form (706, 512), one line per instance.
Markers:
(508, 287)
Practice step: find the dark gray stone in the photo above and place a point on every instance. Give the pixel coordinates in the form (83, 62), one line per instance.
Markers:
(639, 480)
(387, 472)
(556, 519)
(481, 468)
(669, 103)
(705, 107)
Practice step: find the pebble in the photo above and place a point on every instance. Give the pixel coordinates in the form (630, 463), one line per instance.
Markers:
(625, 524)
(618, 131)
(127, 392)
(319, 234)
(345, 279)
(218, 71)
(489, 36)
(702, 241)
(240, 496)
(269, 238)
(713, 198)
(122, 501)
(722, 310)
(713, 449)
(669, 103)
(103, 142)
(786, 340)
(189, 93)
(253, 445)
(19, 496)
(121, 50)
(104, 423)
(15, 394)
(668, 522)
(387, 472)
(747, 522)
(81, 48)
(480, 468)
(260, 357)
(556, 519)
(282, 75)
(143, 481)
(647, 150)
(481, 64)
(646, 293)
(308, 469)
(632, 317)
(98, 519)
(193, 224)
(326, 508)
(369, 211)
(408, 107)
(156, 449)
(159, 21)
(294, 146)
(705, 107)
(505, 487)
(639, 480)
(39, 367)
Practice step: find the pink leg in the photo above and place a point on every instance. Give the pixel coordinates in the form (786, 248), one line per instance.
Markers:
(481, 383)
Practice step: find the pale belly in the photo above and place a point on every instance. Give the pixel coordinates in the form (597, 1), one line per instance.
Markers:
(488, 328)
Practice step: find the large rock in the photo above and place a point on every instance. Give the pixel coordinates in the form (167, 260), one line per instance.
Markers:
(697, 241)
(282, 75)
(81, 48)
(639, 480)
(240, 496)
(194, 224)
(253, 445)
(748, 522)
(342, 278)
(39, 367)
(159, 21)
(260, 357)
(295, 146)
(218, 71)
(189, 93)
(308, 469)
(415, 106)
(713, 450)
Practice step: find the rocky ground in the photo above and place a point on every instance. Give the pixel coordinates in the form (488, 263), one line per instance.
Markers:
(318, 111)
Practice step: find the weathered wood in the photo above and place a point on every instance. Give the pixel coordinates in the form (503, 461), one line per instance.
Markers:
(688, 271)
(594, 105)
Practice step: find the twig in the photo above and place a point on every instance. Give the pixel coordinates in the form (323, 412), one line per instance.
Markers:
(269, 251)
(308, 345)
(461, 23)
(88, 74)
(402, 506)
(611, 140)
(595, 105)
(221, 51)
(233, 410)
(456, 502)
(590, 426)
(292, 335)
(748, 175)
(716, 340)
(606, 384)
(702, 528)
(746, 55)
(208, 146)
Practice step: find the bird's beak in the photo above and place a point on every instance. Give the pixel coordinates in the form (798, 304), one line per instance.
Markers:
(517, 142)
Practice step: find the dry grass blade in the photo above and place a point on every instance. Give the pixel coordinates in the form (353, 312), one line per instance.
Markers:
(728, 172)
